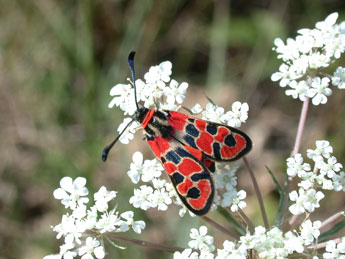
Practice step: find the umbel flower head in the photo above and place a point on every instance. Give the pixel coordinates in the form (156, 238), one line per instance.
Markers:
(306, 57)
(85, 226)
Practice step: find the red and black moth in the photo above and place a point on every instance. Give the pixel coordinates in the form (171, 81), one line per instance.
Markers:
(188, 149)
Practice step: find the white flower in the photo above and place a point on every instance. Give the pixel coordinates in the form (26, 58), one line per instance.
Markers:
(328, 22)
(334, 250)
(151, 170)
(299, 90)
(91, 218)
(297, 208)
(159, 73)
(237, 202)
(108, 222)
(213, 113)
(323, 149)
(136, 225)
(71, 192)
(330, 167)
(317, 60)
(196, 109)
(102, 198)
(305, 201)
(229, 197)
(238, 114)
(141, 197)
(160, 199)
(296, 166)
(339, 182)
(176, 92)
(92, 246)
(225, 176)
(292, 243)
(312, 200)
(128, 134)
(288, 51)
(200, 239)
(319, 90)
(147, 170)
(136, 167)
(71, 228)
(310, 231)
(338, 78)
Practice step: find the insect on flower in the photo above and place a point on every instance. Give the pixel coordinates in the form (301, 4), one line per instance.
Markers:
(188, 149)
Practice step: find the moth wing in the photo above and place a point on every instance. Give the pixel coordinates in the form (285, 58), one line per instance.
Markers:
(216, 141)
(190, 177)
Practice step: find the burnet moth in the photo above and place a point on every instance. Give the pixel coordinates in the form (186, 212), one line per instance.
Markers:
(188, 149)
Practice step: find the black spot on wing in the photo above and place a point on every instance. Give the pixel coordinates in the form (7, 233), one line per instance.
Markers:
(212, 129)
(190, 119)
(193, 193)
(163, 159)
(172, 156)
(230, 140)
(191, 130)
(178, 178)
(190, 141)
(183, 153)
(200, 176)
(216, 151)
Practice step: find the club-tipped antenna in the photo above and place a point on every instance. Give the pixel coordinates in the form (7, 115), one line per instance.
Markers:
(131, 67)
(107, 148)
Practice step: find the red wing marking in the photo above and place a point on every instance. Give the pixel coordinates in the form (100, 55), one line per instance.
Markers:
(184, 187)
(189, 166)
(222, 133)
(177, 120)
(159, 146)
(204, 142)
(195, 152)
(230, 152)
(147, 118)
(170, 167)
(205, 188)
(201, 125)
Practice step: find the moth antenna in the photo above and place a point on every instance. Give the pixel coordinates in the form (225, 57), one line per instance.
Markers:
(131, 67)
(107, 148)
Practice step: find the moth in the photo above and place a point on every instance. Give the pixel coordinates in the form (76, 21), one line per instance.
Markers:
(188, 149)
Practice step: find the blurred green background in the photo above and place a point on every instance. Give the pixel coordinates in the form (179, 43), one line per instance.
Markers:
(58, 61)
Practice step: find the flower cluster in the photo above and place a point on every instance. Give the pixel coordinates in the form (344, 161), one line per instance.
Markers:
(157, 89)
(84, 228)
(304, 57)
(326, 175)
(214, 113)
(334, 250)
(271, 243)
(227, 194)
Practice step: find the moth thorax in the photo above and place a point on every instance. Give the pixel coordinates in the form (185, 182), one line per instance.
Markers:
(159, 126)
